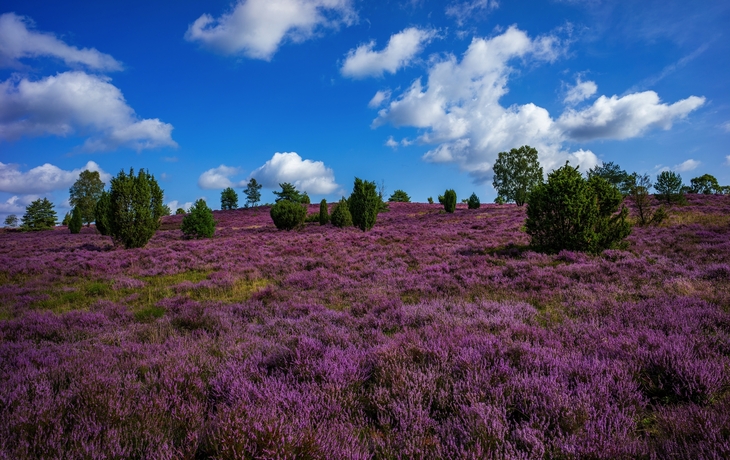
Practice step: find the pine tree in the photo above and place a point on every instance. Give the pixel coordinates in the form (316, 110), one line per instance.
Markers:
(324, 216)
(199, 222)
(76, 222)
(39, 215)
(229, 199)
(364, 204)
(252, 192)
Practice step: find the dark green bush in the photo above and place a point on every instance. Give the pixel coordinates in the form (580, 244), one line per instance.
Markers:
(324, 216)
(39, 215)
(430, 200)
(229, 199)
(199, 222)
(288, 215)
(669, 187)
(305, 199)
(473, 201)
(400, 196)
(101, 213)
(569, 212)
(135, 208)
(341, 216)
(180, 212)
(448, 199)
(76, 221)
(364, 204)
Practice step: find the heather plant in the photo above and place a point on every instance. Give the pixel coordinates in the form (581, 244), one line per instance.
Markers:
(364, 204)
(399, 196)
(571, 213)
(76, 222)
(669, 187)
(39, 215)
(287, 214)
(229, 199)
(516, 173)
(324, 216)
(135, 208)
(84, 194)
(448, 199)
(341, 216)
(252, 192)
(473, 201)
(102, 211)
(199, 222)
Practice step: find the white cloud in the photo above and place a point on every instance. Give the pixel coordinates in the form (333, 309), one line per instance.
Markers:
(685, 166)
(219, 178)
(42, 179)
(12, 206)
(379, 98)
(625, 117)
(256, 28)
(18, 41)
(76, 102)
(392, 143)
(727, 160)
(174, 205)
(400, 51)
(726, 126)
(580, 92)
(465, 10)
(307, 175)
(458, 110)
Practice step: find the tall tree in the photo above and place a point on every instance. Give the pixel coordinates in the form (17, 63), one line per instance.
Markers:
(705, 184)
(11, 221)
(289, 193)
(39, 215)
(614, 175)
(85, 192)
(252, 192)
(516, 173)
(669, 186)
(364, 204)
(229, 199)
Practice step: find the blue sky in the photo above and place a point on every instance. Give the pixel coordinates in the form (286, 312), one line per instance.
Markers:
(416, 95)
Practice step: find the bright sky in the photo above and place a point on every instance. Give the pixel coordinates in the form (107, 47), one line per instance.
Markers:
(418, 95)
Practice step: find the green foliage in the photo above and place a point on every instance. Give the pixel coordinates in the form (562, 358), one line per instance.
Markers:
(76, 222)
(669, 187)
(229, 199)
(516, 173)
(400, 196)
(614, 175)
(639, 186)
(364, 204)
(11, 221)
(199, 222)
(499, 200)
(305, 199)
(252, 192)
(341, 216)
(85, 192)
(430, 200)
(66, 219)
(324, 216)
(166, 211)
(448, 199)
(473, 201)
(706, 184)
(288, 215)
(288, 193)
(102, 212)
(135, 208)
(569, 212)
(180, 212)
(39, 215)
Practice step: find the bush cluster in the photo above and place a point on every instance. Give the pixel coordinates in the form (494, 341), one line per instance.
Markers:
(199, 222)
(448, 199)
(288, 215)
(341, 216)
(473, 201)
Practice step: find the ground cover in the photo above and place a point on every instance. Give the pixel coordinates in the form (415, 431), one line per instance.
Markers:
(433, 335)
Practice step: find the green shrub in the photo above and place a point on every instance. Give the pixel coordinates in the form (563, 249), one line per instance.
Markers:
(76, 221)
(364, 204)
(341, 216)
(288, 193)
(39, 215)
(199, 222)
(180, 212)
(499, 200)
(473, 201)
(569, 212)
(448, 199)
(669, 187)
(324, 216)
(430, 200)
(135, 208)
(400, 196)
(288, 215)
(305, 199)
(229, 199)
(101, 213)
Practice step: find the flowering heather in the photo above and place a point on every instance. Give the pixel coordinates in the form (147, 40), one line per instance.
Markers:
(433, 335)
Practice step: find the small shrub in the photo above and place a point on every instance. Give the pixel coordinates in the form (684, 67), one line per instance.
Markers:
(473, 201)
(180, 212)
(430, 200)
(448, 199)
(76, 221)
(499, 200)
(324, 216)
(199, 222)
(288, 215)
(364, 204)
(399, 196)
(341, 216)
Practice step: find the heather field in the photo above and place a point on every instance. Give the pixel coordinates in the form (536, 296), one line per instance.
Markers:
(433, 335)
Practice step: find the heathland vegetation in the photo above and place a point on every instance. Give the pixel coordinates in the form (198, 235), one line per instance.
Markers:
(422, 331)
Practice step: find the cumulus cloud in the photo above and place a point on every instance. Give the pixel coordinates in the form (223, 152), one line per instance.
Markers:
(256, 28)
(174, 205)
(307, 175)
(461, 11)
(77, 103)
(727, 160)
(625, 117)
(18, 40)
(219, 178)
(459, 110)
(402, 47)
(580, 92)
(685, 166)
(42, 179)
(379, 98)
(726, 126)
